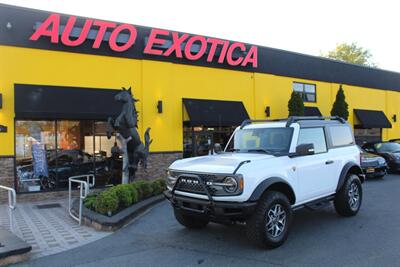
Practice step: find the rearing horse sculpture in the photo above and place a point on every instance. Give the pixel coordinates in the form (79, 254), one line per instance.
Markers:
(125, 126)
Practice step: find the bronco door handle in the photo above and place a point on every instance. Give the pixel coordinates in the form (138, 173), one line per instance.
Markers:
(328, 162)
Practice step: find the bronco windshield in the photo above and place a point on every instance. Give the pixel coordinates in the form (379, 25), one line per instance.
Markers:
(263, 140)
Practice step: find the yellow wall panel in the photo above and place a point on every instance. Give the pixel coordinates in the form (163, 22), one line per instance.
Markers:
(33, 66)
(169, 82)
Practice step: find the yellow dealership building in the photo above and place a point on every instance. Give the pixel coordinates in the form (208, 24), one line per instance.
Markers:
(57, 95)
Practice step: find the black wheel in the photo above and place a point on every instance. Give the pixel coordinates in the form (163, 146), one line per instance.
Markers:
(269, 225)
(193, 222)
(349, 198)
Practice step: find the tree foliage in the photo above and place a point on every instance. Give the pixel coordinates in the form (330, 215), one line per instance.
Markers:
(340, 107)
(351, 53)
(296, 105)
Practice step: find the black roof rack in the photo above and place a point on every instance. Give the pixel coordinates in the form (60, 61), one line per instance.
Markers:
(248, 121)
(293, 119)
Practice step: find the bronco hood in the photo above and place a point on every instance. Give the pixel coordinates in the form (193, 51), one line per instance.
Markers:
(222, 163)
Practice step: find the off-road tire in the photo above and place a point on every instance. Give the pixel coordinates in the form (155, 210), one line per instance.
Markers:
(342, 200)
(256, 225)
(192, 222)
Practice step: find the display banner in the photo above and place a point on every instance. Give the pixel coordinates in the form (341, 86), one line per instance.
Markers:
(40, 166)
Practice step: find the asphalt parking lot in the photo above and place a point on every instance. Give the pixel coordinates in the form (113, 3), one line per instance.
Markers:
(318, 238)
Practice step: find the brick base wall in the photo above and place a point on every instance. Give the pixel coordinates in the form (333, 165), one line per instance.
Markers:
(6, 175)
(157, 165)
(156, 168)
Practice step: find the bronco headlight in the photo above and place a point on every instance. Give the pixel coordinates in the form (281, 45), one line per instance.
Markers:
(171, 179)
(231, 185)
(226, 186)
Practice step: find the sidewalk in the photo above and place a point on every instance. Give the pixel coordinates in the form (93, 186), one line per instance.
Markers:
(47, 227)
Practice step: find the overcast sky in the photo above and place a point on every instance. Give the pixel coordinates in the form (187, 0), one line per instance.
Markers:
(305, 26)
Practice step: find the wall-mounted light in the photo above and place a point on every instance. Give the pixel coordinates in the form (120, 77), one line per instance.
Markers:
(3, 129)
(9, 26)
(394, 118)
(267, 111)
(159, 106)
(1, 101)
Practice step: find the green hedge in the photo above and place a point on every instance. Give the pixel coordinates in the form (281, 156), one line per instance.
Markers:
(107, 202)
(122, 196)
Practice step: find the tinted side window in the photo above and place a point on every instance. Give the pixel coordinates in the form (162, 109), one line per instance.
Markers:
(314, 136)
(341, 136)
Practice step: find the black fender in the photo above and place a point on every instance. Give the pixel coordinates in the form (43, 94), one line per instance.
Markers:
(275, 183)
(349, 167)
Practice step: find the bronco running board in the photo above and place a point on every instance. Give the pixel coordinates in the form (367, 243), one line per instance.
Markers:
(316, 204)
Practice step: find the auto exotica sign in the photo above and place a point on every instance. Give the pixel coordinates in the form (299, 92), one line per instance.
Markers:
(160, 42)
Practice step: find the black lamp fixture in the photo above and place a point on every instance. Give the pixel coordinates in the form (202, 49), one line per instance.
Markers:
(267, 111)
(394, 117)
(159, 106)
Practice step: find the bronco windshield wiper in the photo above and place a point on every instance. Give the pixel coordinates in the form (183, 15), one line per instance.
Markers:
(260, 150)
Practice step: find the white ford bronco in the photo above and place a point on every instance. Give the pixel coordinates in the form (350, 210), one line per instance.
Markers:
(267, 170)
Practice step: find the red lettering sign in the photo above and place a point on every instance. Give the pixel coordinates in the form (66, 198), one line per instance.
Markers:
(154, 40)
(113, 38)
(82, 36)
(203, 46)
(183, 46)
(54, 21)
(103, 26)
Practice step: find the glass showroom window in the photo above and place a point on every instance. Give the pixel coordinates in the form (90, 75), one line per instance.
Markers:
(49, 152)
(35, 142)
(307, 91)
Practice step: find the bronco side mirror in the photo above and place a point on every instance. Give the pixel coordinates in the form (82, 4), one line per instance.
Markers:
(217, 148)
(305, 150)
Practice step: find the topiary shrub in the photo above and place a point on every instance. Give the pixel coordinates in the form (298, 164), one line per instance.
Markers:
(107, 202)
(144, 188)
(124, 195)
(296, 105)
(158, 186)
(340, 107)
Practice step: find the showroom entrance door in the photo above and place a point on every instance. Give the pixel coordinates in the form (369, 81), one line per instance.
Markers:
(206, 122)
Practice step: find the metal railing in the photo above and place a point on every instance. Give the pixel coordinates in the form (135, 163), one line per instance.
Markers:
(12, 197)
(12, 204)
(84, 186)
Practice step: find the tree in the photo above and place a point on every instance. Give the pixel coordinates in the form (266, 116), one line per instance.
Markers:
(351, 53)
(340, 107)
(296, 105)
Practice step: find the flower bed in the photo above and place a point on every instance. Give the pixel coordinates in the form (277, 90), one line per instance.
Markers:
(115, 199)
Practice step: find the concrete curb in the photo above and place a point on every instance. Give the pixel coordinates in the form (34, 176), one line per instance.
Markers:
(104, 223)
(12, 248)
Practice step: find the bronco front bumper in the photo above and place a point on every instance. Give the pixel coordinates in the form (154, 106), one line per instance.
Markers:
(218, 211)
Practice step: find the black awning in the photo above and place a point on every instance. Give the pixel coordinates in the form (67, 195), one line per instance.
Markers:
(372, 119)
(60, 102)
(214, 113)
(312, 111)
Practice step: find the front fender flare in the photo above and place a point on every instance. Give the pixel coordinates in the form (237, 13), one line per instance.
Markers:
(267, 183)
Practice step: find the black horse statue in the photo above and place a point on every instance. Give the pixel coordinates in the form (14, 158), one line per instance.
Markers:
(125, 127)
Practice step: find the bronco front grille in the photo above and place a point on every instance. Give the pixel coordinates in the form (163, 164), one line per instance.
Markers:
(192, 183)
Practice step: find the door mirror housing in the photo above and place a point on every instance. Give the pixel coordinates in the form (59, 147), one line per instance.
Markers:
(304, 150)
(217, 148)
